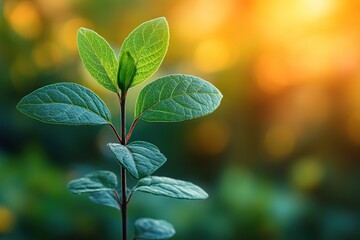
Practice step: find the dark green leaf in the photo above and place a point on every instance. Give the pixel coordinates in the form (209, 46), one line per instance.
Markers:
(139, 158)
(65, 103)
(169, 187)
(147, 44)
(106, 198)
(94, 182)
(147, 228)
(176, 98)
(99, 58)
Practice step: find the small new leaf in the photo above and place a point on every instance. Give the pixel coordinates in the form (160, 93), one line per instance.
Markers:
(98, 58)
(65, 103)
(106, 198)
(127, 71)
(147, 228)
(175, 98)
(147, 44)
(94, 182)
(168, 187)
(140, 158)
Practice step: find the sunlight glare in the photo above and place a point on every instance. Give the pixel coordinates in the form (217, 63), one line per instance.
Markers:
(212, 55)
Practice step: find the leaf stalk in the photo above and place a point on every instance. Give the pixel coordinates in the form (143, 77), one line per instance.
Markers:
(115, 132)
(128, 136)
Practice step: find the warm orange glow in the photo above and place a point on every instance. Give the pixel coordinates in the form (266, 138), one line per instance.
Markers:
(321, 57)
(271, 73)
(24, 18)
(352, 94)
(196, 18)
(7, 220)
(54, 8)
(47, 55)
(353, 127)
(303, 41)
(309, 106)
(210, 137)
(68, 32)
(279, 141)
(352, 105)
(281, 20)
(212, 55)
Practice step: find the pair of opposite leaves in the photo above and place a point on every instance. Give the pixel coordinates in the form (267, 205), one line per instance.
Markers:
(140, 55)
(168, 99)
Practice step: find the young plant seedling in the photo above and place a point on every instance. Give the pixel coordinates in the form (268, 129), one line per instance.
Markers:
(171, 98)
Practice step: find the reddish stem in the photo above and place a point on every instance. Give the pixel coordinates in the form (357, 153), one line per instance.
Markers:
(131, 129)
(117, 198)
(116, 133)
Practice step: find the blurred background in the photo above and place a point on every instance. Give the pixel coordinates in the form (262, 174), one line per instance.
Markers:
(279, 158)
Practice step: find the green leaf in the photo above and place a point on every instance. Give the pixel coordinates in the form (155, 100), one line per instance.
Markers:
(65, 103)
(169, 187)
(94, 182)
(106, 198)
(99, 58)
(139, 158)
(147, 228)
(147, 44)
(175, 98)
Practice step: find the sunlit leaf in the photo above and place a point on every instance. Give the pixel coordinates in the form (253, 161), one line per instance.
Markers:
(147, 45)
(65, 103)
(94, 182)
(98, 58)
(147, 228)
(176, 98)
(140, 158)
(168, 187)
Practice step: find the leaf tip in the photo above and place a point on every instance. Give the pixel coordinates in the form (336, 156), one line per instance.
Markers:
(19, 105)
(202, 194)
(206, 195)
(166, 23)
(71, 189)
(112, 145)
(81, 31)
(221, 96)
(148, 228)
(161, 19)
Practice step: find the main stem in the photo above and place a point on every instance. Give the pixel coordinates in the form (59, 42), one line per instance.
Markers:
(122, 99)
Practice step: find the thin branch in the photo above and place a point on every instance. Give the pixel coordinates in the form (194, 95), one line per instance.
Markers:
(131, 129)
(129, 197)
(118, 198)
(116, 133)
